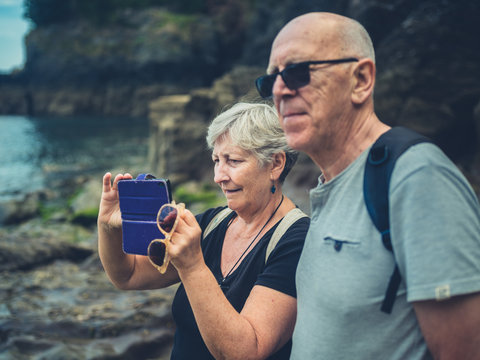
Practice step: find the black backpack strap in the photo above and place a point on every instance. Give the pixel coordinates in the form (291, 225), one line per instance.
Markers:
(378, 170)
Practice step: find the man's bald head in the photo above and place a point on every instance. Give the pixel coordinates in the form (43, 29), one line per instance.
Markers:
(329, 35)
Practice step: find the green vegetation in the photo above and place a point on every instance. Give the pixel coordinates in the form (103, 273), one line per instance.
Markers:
(201, 197)
(183, 21)
(85, 217)
(103, 12)
(47, 210)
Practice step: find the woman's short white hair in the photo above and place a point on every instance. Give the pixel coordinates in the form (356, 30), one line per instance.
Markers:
(254, 127)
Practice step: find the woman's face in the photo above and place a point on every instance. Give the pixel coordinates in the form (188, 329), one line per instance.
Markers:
(244, 182)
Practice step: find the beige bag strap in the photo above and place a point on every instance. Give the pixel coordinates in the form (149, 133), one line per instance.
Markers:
(217, 219)
(287, 221)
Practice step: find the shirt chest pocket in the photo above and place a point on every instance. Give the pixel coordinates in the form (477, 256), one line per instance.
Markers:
(352, 247)
(339, 242)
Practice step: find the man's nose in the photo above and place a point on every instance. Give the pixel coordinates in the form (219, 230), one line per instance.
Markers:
(280, 88)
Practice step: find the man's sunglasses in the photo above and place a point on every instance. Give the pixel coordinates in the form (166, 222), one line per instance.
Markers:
(294, 76)
(167, 219)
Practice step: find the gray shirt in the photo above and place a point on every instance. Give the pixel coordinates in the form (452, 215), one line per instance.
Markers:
(344, 268)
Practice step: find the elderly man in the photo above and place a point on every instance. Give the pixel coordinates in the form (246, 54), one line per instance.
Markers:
(321, 76)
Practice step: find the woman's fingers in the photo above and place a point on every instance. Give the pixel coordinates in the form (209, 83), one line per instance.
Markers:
(184, 248)
(188, 232)
(107, 182)
(107, 186)
(189, 218)
(118, 177)
(187, 224)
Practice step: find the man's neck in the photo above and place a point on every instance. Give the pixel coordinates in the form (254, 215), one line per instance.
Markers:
(348, 147)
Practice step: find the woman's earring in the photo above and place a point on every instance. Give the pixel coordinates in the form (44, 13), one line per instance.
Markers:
(273, 188)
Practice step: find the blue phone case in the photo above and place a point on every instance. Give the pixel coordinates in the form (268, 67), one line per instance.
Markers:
(140, 200)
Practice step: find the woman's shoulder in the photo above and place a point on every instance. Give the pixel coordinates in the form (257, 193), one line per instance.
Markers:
(292, 231)
(206, 217)
(297, 231)
(298, 222)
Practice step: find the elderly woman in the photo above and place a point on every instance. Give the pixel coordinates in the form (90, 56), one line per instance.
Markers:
(234, 301)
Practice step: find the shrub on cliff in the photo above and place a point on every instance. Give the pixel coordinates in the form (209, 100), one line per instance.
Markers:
(47, 12)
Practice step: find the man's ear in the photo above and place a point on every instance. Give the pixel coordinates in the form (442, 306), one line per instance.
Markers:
(278, 164)
(364, 81)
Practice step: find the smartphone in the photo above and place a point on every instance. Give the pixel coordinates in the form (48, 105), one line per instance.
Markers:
(140, 200)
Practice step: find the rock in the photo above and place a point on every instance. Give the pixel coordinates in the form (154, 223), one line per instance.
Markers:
(15, 98)
(85, 205)
(426, 72)
(35, 243)
(18, 210)
(177, 145)
(69, 311)
(112, 70)
(56, 301)
(173, 134)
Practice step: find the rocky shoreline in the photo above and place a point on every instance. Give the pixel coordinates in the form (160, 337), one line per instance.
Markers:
(69, 310)
(56, 301)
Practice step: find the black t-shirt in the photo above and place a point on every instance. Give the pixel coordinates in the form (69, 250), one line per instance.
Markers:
(277, 273)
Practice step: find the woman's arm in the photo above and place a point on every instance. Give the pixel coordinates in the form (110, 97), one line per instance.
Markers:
(264, 325)
(125, 271)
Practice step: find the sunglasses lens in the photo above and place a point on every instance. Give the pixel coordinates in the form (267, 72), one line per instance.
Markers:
(297, 75)
(294, 76)
(156, 252)
(166, 218)
(265, 85)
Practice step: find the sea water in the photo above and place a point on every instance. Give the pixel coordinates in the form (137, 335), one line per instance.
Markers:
(34, 150)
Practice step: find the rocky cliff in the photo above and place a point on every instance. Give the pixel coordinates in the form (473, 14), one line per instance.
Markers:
(426, 54)
(139, 64)
(81, 68)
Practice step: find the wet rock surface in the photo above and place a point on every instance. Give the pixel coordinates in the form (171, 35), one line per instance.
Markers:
(56, 302)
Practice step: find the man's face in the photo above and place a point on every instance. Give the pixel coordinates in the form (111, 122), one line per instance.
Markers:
(311, 116)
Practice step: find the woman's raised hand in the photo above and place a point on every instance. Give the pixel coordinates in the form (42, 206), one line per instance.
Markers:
(185, 249)
(109, 212)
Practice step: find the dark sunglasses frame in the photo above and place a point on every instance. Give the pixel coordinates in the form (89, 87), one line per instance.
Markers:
(294, 76)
